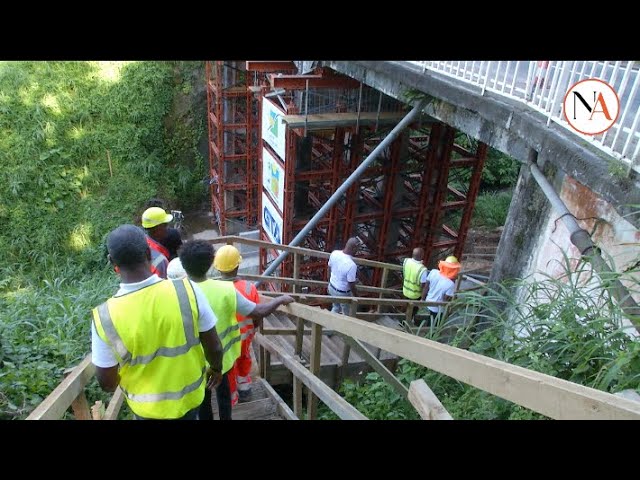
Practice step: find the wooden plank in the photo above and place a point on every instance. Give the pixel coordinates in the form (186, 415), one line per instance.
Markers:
(550, 396)
(370, 316)
(296, 272)
(58, 401)
(114, 405)
(360, 300)
(344, 365)
(314, 368)
(231, 239)
(267, 365)
(297, 397)
(299, 332)
(425, 402)
(80, 407)
(313, 283)
(262, 355)
(408, 317)
(383, 283)
(255, 409)
(335, 402)
(282, 408)
(377, 365)
(97, 410)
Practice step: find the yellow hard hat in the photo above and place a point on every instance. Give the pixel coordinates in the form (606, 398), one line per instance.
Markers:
(154, 216)
(451, 259)
(227, 258)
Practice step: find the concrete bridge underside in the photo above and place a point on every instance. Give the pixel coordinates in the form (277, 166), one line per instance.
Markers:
(516, 130)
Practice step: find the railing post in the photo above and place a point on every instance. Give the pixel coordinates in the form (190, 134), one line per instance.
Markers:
(299, 321)
(383, 284)
(80, 407)
(409, 313)
(346, 350)
(316, 350)
(296, 271)
(297, 384)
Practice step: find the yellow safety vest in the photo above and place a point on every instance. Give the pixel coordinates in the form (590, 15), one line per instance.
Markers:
(222, 298)
(411, 272)
(154, 334)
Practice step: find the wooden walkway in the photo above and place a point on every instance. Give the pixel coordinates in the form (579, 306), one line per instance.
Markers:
(264, 404)
(333, 349)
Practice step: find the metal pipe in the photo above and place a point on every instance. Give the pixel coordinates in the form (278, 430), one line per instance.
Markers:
(404, 123)
(582, 240)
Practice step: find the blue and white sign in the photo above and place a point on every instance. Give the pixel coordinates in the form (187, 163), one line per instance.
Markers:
(271, 220)
(273, 178)
(273, 130)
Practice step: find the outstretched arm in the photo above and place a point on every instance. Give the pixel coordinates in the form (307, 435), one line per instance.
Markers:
(263, 309)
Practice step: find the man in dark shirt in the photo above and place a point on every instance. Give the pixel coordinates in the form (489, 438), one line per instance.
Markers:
(172, 241)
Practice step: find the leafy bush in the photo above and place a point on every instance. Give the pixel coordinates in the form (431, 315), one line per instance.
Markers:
(491, 209)
(82, 146)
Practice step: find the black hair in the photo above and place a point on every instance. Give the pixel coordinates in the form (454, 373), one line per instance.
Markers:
(156, 202)
(196, 257)
(127, 245)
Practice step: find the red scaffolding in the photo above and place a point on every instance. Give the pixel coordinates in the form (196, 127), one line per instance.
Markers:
(419, 192)
(232, 137)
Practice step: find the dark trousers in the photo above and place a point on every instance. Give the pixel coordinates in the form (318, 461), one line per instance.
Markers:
(223, 395)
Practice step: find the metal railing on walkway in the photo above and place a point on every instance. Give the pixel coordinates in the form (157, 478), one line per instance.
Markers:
(542, 85)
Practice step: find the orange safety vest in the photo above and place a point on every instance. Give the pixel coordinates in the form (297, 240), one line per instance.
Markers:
(239, 378)
(159, 255)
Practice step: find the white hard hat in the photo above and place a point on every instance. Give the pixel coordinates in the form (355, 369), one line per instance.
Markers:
(175, 271)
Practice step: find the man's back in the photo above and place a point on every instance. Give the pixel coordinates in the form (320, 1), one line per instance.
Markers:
(439, 286)
(222, 298)
(343, 270)
(152, 331)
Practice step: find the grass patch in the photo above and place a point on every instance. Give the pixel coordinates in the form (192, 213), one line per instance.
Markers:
(60, 198)
(491, 209)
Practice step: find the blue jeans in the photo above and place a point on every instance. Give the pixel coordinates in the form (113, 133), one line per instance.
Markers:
(342, 308)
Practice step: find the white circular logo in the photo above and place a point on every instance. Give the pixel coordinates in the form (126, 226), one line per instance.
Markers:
(591, 106)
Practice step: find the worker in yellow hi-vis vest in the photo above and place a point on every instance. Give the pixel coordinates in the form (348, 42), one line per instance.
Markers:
(153, 336)
(196, 258)
(414, 275)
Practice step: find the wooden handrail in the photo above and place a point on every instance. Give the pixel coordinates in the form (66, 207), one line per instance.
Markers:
(359, 300)
(314, 283)
(339, 405)
(228, 239)
(56, 404)
(550, 396)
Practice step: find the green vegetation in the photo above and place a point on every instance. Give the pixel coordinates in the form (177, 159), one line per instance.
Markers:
(498, 179)
(82, 146)
(568, 327)
(491, 209)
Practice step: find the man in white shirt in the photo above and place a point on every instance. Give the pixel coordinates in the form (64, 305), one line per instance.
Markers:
(440, 284)
(342, 275)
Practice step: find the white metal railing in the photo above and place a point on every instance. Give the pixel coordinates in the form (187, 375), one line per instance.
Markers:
(542, 86)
